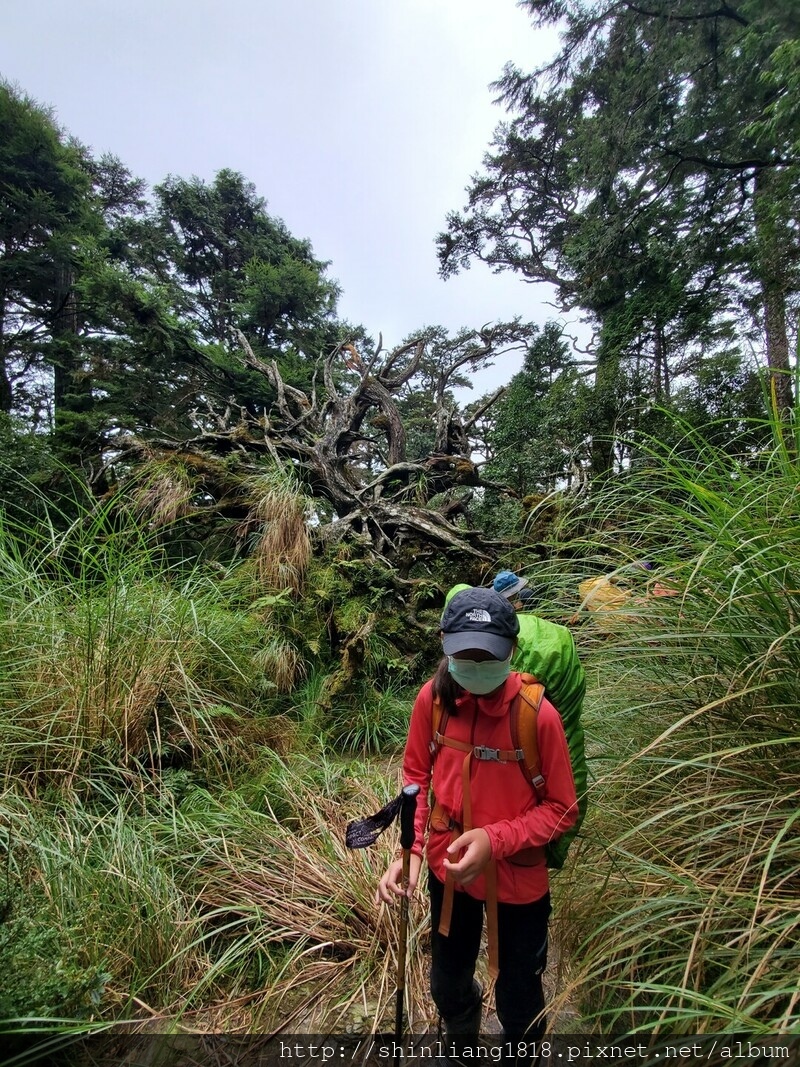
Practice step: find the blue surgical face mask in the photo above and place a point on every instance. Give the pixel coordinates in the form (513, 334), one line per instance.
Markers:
(479, 677)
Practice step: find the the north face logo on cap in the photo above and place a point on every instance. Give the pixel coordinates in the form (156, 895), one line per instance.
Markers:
(479, 618)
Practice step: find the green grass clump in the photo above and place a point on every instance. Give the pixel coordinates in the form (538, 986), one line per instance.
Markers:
(110, 656)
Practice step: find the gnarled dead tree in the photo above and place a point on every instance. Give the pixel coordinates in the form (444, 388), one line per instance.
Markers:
(350, 441)
(346, 440)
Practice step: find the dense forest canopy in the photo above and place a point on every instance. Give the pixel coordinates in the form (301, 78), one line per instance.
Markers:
(191, 328)
(183, 337)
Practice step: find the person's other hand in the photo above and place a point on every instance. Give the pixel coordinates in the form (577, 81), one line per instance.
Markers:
(477, 853)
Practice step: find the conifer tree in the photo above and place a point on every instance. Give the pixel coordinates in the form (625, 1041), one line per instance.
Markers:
(650, 174)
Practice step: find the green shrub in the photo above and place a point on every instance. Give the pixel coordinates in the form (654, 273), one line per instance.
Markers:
(46, 972)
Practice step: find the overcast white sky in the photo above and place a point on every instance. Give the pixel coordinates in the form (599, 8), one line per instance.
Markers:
(359, 121)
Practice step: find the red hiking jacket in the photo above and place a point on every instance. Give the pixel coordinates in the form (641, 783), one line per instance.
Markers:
(503, 801)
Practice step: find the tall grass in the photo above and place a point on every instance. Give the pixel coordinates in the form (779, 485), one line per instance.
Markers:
(97, 921)
(108, 656)
(297, 940)
(171, 828)
(206, 913)
(682, 910)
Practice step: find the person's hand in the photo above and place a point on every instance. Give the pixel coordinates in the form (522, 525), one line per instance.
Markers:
(391, 885)
(477, 853)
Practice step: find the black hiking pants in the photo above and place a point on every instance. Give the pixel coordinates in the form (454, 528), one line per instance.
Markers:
(522, 958)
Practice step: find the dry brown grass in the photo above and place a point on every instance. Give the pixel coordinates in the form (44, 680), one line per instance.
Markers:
(282, 550)
(121, 674)
(163, 494)
(281, 662)
(301, 897)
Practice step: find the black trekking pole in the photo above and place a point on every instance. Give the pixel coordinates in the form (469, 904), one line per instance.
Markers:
(366, 832)
(408, 810)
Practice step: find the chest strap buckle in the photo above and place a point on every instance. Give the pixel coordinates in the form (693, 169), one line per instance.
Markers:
(497, 755)
(482, 752)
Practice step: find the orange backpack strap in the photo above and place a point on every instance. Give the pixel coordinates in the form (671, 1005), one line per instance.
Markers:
(439, 719)
(524, 737)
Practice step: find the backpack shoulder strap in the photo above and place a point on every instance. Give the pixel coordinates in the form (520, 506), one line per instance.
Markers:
(524, 737)
(439, 719)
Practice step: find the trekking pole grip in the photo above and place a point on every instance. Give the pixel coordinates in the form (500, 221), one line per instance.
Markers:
(408, 810)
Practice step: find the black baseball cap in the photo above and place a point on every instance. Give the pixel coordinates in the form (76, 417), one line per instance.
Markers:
(479, 618)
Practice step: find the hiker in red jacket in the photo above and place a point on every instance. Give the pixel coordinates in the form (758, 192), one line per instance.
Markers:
(485, 835)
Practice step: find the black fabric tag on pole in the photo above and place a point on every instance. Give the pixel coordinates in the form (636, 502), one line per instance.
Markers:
(364, 832)
(361, 833)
